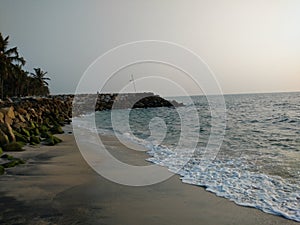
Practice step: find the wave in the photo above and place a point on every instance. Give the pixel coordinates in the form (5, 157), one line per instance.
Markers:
(230, 179)
(258, 163)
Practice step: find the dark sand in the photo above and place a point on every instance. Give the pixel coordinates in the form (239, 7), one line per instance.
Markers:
(56, 186)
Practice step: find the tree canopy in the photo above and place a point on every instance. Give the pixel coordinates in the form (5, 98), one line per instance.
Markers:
(14, 79)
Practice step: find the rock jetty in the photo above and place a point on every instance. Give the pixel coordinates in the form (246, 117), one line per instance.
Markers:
(30, 121)
(108, 101)
(34, 120)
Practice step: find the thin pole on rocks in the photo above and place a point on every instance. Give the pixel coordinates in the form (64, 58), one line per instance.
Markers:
(132, 80)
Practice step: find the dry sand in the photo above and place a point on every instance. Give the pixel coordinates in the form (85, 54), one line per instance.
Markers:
(56, 186)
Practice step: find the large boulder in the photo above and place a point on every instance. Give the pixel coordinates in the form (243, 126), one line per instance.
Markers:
(9, 114)
(1, 117)
(20, 137)
(52, 140)
(2, 170)
(34, 140)
(25, 132)
(10, 132)
(14, 147)
(3, 138)
(56, 130)
(8, 111)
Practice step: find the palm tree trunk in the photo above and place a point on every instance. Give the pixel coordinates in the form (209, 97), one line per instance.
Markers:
(2, 87)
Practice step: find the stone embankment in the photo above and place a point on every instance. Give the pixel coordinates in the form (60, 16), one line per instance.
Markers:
(108, 101)
(30, 121)
(34, 120)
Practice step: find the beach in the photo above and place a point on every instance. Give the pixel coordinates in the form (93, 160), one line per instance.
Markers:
(111, 115)
(56, 186)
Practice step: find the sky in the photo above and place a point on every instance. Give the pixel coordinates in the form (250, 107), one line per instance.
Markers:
(250, 46)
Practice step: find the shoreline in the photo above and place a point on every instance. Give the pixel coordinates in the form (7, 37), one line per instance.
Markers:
(56, 186)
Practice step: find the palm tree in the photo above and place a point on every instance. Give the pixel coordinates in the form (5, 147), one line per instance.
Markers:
(18, 80)
(40, 82)
(8, 58)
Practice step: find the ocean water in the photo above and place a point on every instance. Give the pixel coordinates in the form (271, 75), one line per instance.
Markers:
(258, 164)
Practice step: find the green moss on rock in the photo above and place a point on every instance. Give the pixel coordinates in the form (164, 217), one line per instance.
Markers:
(25, 132)
(32, 125)
(34, 131)
(3, 138)
(56, 140)
(14, 162)
(43, 128)
(2, 170)
(20, 137)
(6, 156)
(56, 130)
(34, 140)
(45, 135)
(13, 147)
(52, 140)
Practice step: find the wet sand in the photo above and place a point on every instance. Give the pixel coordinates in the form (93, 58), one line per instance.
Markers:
(56, 186)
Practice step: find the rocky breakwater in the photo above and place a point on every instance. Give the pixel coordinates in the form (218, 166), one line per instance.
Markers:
(31, 121)
(34, 121)
(133, 100)
(106, 101)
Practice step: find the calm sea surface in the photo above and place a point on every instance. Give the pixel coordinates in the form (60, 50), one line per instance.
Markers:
(258, 164)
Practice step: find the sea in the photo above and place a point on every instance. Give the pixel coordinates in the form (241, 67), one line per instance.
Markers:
(257, 163)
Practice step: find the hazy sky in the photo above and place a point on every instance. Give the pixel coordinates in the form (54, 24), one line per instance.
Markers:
(251, 46)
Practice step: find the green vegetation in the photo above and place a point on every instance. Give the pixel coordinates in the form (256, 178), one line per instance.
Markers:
(14, 147)
(11, 162)
(56, 129)
(52, 140)
(14, 80)
(34, 140)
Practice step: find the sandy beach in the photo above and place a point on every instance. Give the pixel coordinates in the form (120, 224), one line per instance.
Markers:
(56, 186)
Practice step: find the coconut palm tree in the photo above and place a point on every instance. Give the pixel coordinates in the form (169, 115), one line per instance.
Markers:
(40, 82)
(8, 58)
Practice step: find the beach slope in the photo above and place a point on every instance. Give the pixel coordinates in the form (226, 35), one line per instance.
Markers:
(56, 186)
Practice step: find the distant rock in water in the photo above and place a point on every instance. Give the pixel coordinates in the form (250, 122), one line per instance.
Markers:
(155, 101)
(134, 100)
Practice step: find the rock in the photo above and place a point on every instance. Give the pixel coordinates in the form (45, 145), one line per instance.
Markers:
(34, 131)
(17, 125)
(34, 140)
(27, 120)
(3, 138)
(49, 141)
(20, 137)
(6, 156)
(2, 170)
(52, 140)
(13, 162)
(13, 147)
(8, 120)
(43, 128)
(45, 135)
(56, 140)
(120, 101)
(25, 132)
(10, 133)
(22, 119)
(21, 111)
(32, 125)
(1, 117)
(9, 112)
(56, 130)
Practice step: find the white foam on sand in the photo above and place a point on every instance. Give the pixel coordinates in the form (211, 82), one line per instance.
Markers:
(230, 179)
